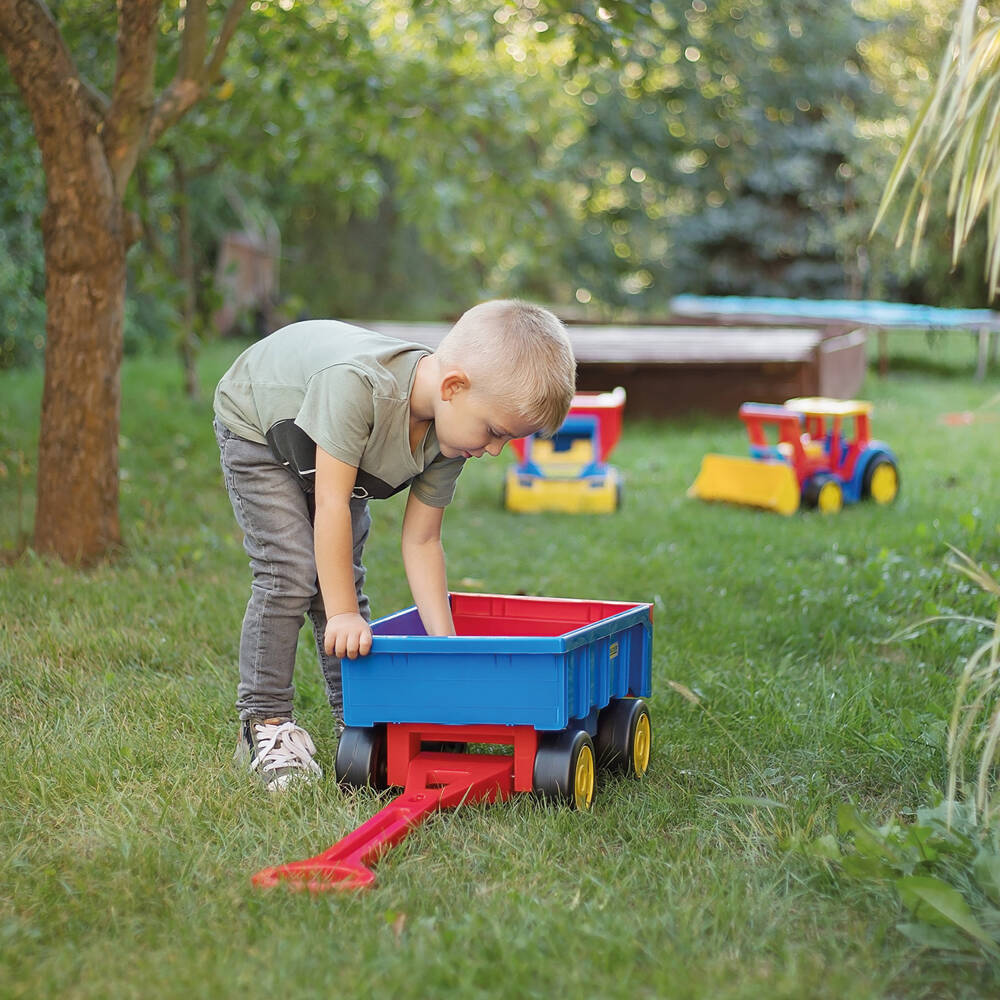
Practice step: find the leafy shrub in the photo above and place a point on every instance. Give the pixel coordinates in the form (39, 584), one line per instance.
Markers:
(22, 307)
(943, 860)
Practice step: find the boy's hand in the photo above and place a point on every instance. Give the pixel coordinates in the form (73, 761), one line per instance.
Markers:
(347, 635)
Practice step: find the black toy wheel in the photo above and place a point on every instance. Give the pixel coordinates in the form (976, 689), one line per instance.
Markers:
(565, 768)
(625, 737)
(361, 757)
(824, 493)
(881, 480)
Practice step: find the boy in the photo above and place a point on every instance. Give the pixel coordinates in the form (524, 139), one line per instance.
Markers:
(320, 417)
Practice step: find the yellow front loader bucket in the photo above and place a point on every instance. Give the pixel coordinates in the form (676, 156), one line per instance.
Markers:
(771, 485)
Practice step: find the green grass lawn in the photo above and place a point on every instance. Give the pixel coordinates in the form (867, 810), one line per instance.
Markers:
(127, 837)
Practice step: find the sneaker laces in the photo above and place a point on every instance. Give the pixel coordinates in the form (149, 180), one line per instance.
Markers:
(283, 745)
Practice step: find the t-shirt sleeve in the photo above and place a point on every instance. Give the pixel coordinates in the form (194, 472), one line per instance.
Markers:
(338, 413)
(435, 486)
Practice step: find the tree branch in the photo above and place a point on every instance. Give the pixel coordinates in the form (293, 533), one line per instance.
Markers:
(132, 95)
(194, 42)
(194, 74)
(99, 101)
(44, 71)
(229, 25)
(150, 237)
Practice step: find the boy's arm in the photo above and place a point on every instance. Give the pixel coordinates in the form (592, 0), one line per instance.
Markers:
(347, 633)
(423, 560)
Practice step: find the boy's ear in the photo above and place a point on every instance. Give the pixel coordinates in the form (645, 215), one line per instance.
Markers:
(453, 383)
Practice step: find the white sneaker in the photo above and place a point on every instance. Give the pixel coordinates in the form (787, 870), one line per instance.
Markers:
(278, 751)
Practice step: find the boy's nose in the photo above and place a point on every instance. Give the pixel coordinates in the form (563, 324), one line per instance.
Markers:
(495, 448)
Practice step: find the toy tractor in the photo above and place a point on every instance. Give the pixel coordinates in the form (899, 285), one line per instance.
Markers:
(569, 472)
(820, 454)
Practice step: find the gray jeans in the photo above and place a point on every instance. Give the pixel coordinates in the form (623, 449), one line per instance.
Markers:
(277, 521)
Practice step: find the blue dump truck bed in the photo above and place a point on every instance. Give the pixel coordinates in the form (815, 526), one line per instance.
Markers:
(540, 662)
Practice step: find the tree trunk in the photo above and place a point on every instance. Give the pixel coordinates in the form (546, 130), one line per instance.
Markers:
(187, 342)
(84, 237)
(90, 145)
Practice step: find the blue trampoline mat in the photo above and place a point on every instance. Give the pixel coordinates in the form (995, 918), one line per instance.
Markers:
(869, 311)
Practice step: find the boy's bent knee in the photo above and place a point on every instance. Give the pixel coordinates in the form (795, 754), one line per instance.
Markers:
(284, 597)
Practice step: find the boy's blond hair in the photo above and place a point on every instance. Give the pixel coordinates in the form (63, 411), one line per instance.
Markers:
(519, 355)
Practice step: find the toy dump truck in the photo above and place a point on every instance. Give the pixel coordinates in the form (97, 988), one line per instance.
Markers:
(560, 682)
(569, 472)
(815, 452)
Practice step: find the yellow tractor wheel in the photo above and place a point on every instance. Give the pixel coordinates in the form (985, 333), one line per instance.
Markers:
(881, 481)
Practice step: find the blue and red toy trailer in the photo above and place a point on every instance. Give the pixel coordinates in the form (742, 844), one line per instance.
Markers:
(561, 682)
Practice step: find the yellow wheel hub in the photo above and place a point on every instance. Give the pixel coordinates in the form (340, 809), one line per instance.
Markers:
(884, 483)
(831, 498)
(583, 779)
(642, 742)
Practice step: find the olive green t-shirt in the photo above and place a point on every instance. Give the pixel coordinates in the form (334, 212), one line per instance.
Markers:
(346, 389)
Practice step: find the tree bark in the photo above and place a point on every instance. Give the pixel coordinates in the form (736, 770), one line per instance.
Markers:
(77, 513)
(90, 145)
(76, 518)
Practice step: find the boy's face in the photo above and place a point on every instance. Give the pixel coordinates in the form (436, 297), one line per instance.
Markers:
(469, 425)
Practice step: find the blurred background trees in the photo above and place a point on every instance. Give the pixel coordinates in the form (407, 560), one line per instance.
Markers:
(407, 157)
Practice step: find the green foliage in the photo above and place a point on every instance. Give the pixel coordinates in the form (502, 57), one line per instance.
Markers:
(943, 860)
(975, 719)
(957, 126)
(740, 118)
(22, 267)
(714, 149)
(943, 863)
(443, 168)
(419, 156)
(422, 156)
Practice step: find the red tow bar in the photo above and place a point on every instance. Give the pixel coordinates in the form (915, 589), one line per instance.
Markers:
(433, 781)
